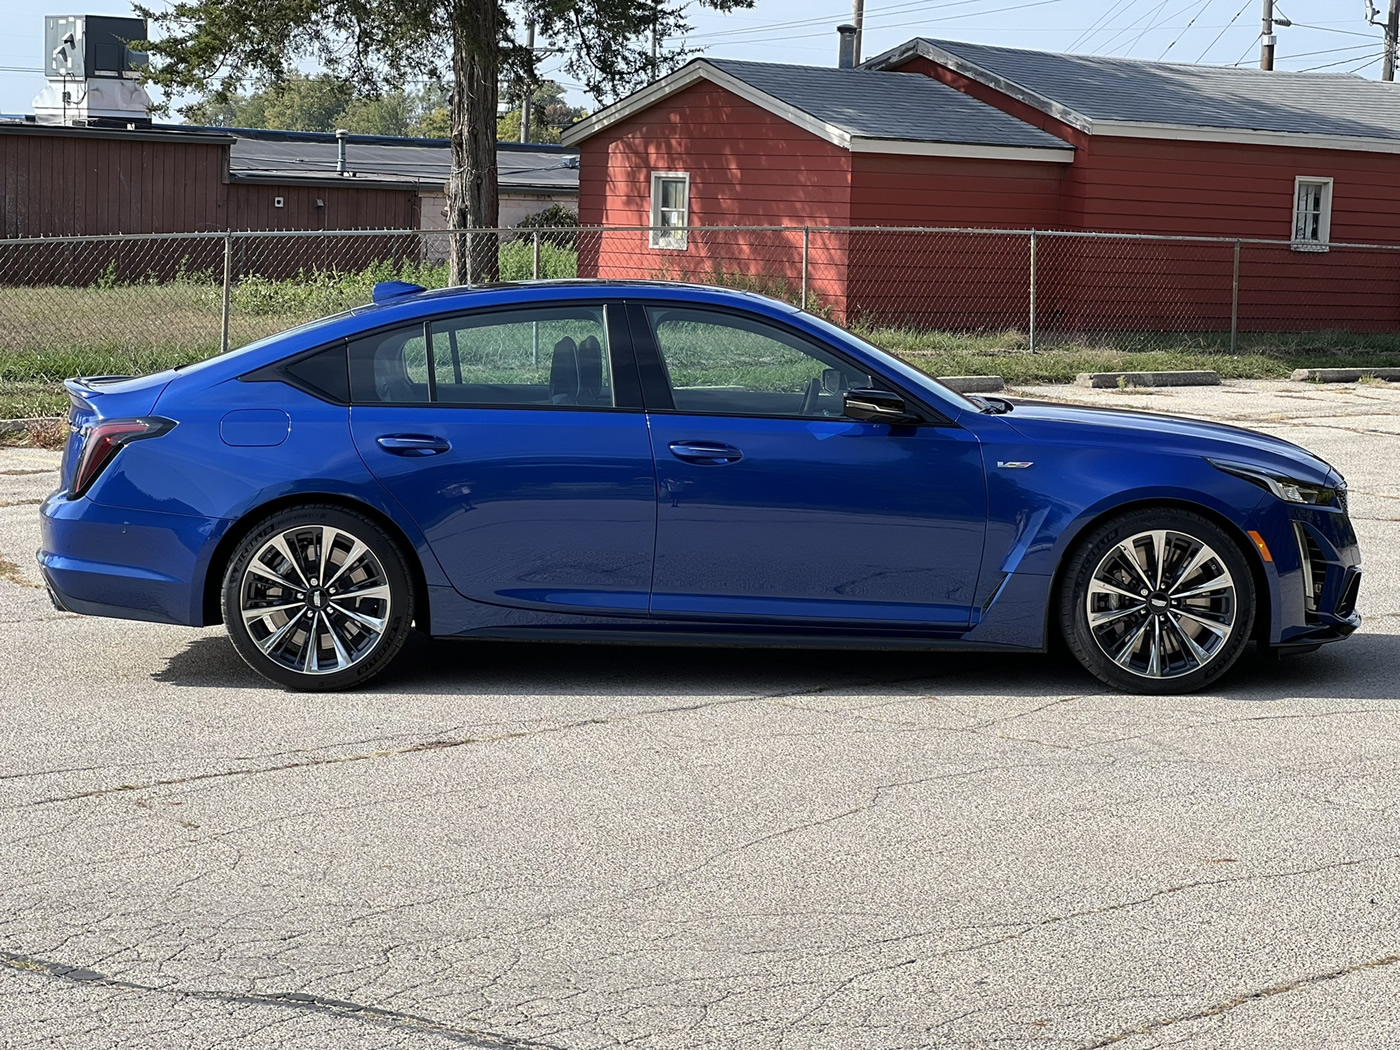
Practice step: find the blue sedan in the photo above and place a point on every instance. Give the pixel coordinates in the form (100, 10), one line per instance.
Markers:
(647, 462)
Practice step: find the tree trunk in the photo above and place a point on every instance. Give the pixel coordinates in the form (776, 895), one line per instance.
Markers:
(472, 201)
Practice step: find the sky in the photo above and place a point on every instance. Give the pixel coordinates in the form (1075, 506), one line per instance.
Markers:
(1328, 35)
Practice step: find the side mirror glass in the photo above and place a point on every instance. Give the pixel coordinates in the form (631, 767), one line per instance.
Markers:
(877, 406)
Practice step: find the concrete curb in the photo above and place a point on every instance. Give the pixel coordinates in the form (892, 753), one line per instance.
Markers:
(1343, 375)
(1103, 380)
(974, 384)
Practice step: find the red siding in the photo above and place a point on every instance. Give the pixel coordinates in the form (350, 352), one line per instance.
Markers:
(746, 168)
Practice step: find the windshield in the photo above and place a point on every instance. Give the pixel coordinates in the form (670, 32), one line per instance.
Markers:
(904, 369)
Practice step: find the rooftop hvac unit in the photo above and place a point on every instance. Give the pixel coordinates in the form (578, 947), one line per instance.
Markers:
(92, 70)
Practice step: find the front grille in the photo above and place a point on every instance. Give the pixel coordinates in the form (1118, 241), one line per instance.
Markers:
(1314, 568)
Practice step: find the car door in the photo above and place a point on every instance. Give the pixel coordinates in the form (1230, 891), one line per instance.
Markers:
(515, 439)
(772, 505)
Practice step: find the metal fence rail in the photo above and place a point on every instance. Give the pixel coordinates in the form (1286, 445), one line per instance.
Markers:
(1005, 289)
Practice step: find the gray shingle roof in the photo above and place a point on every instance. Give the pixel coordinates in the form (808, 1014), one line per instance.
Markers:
(906, 107)
(266, 153)
(1194, 95)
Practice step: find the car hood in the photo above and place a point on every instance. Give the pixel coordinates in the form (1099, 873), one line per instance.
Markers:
(1041, 421)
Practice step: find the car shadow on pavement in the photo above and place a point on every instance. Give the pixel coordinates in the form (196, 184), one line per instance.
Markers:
(1362, 668)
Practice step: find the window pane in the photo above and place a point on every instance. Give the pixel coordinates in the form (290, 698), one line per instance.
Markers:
(719, 363)
(390, 367)
(524, 357)
(673, 193)
(1307, 225)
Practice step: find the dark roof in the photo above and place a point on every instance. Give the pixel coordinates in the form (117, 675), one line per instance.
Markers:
(521, 166)
(907, 107)
(1126, 89)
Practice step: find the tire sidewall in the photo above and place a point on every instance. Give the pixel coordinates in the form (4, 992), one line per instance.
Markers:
(391, 558)
(1074, 623)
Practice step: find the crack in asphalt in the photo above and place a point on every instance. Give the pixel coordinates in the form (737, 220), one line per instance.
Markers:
(447, 744)
(1226, 1005)
(392, 1019)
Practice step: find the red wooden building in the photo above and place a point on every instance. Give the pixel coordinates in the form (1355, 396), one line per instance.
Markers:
(947, 134)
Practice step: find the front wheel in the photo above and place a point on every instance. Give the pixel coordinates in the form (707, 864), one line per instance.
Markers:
(1157, 601)
(318, 598)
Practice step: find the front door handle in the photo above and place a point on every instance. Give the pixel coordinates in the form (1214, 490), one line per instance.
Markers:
(413, 444)
(705, 452)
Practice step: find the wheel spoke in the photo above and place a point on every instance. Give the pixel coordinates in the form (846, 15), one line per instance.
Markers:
(1159, 551)
(373, 623)
(276, 637)
(378, 590)
(1192, 646)
(1108, 616)
(258, 612)
(1202, 555)
(1215, 583)
(310, 660)
(357, 549)
(280, 546)
(1128, 550)
(1221, 631)
(342, 657)
(262, 570)
(1097, 586)
(328, 538)
(1154, 655)
(1125, 651)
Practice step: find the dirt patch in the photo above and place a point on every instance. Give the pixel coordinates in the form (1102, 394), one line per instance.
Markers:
(9, 572)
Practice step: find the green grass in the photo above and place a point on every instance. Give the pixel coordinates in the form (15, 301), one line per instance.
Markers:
(49, 333)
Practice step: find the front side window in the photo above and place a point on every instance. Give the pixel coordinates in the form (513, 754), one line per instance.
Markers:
(732, 365)
(510, 358)
(670, 209)
(1312, 213)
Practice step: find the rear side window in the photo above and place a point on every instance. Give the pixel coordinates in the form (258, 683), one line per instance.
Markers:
(547, 356)
(390, 367)
(523, 357)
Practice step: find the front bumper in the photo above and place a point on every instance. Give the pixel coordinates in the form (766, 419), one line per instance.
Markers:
(135, 565)
(1318, 566)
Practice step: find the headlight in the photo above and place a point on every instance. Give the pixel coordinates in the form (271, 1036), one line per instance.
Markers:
(1290, 490)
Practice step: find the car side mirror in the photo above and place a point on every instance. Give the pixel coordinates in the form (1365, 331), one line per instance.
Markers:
(877, 406)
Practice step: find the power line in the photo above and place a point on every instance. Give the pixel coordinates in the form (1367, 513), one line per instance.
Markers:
(1228, 24)
(1199, 12)
(1236, 63)
(1149, 26)
(822, 20)
(1343, 62)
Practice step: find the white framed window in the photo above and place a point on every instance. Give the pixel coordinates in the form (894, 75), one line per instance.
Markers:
(670, 209)
(1312, 213)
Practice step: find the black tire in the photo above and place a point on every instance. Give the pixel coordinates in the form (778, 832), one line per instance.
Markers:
(1178, 648)
(360, 613)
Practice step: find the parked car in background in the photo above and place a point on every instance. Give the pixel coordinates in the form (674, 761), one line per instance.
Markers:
(650, 462)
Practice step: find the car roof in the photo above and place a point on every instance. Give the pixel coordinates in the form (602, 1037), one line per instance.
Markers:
(466, 296)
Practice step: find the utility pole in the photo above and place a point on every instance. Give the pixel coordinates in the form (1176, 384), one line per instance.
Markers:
(525, 104)
(1266, 37)
(858, 20)
(1392, 25)
(654, 21)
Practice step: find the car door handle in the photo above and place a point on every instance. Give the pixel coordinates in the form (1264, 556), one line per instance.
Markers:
(413, 444)
(705, 452)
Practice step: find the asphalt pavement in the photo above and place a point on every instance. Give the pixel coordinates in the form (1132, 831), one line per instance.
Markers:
(584, 847)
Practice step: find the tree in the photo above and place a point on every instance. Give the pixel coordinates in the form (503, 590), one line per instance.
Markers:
(221, 45)
(550, 114)
(324, 103)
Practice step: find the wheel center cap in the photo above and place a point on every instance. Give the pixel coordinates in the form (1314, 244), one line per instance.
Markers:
(316, 599)
(1157, 602)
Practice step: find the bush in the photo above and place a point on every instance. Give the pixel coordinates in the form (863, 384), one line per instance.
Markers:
(559, 221)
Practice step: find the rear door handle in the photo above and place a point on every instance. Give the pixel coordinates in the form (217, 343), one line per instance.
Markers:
(413, 444)
(705, 452)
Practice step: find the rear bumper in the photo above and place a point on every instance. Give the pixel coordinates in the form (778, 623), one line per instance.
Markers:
(135, 565)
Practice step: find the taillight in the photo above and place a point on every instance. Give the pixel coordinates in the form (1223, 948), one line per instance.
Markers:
(103, 440)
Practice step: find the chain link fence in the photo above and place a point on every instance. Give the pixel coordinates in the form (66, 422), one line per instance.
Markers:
(152, 299)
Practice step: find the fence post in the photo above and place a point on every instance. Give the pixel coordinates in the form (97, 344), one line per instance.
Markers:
(537, 255)
(228, 284)
(1235, 302)
(1033, 290)
(806, 248)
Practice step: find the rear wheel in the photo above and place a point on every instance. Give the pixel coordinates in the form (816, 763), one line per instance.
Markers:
(318, 598)
(1157, 601)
